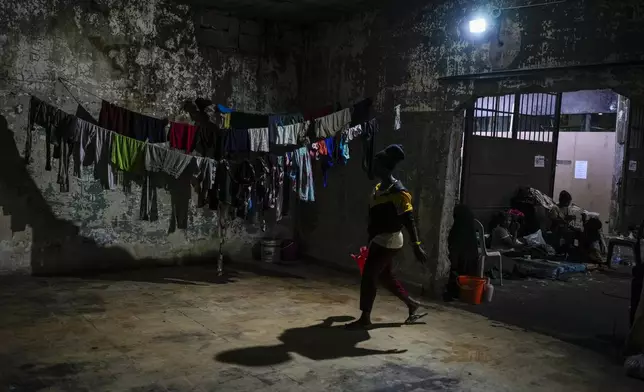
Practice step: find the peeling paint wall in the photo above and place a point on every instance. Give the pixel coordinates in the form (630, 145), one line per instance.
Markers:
(148, 56)
(398, 55)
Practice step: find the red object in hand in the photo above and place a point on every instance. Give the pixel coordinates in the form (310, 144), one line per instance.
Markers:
(361, 258)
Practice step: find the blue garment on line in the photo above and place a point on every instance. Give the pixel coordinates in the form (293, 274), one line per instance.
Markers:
(343, 148)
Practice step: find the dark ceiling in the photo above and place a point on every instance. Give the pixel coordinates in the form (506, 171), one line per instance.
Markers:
(304, 11)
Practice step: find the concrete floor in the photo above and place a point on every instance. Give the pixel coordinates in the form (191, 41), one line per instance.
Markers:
(182, 329)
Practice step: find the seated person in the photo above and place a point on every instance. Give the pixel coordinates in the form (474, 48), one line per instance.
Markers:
(568, 213)
(501, 237)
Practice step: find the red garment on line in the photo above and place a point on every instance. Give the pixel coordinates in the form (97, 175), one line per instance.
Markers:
(182, 136)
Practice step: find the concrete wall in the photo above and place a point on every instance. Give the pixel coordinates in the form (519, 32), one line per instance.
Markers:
(148, 56)
(598, 149)
(416, 56)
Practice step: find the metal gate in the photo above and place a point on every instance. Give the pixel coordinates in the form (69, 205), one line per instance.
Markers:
(633, 202)
(510, 141)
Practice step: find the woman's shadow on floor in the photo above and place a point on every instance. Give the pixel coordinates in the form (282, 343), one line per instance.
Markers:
(318, 342)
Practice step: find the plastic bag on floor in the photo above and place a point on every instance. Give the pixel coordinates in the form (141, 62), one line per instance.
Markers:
(635, 366)
(535, 239)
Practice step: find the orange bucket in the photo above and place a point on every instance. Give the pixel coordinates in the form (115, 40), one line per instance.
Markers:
(471, 289)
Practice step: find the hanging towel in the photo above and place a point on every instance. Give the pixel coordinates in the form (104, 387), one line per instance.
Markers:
(236, 140)
(103, 169)
(258, 139)
(84, 135)
(302, 161)
(182, 136)
(329, 125)
(127, 153)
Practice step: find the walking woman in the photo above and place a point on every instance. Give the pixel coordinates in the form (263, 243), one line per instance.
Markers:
(390, 210)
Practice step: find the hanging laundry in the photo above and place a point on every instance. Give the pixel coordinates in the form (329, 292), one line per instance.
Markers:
(205, 174)
(209, 141)
(84, 134)
(237, 140)
(258, 139)
(116, 119)
(172, 162)
(149, 210)
(329, 125)
(353, 132)
(343, 149)
(66, 142)
(48, 117)
(241, 120)
(223, 186)
(327, 159)
(368, 142)
(103, 169)
(182, 136)
(132, 124)
(361, 112)
(302, 162)
(244, 185)
(263, 183)
(148, 128)
(127, 153)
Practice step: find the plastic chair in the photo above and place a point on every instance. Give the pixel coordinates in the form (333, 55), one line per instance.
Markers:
(484, 253)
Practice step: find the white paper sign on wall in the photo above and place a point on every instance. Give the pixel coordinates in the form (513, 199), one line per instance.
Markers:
(632, 166)
(397, 123)
(539, 161)
(581, 170)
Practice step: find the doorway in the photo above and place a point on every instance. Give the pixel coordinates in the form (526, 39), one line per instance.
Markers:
(510, 141)
(586, 151)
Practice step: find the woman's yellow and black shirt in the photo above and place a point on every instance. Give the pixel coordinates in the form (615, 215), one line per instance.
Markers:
(387, 207)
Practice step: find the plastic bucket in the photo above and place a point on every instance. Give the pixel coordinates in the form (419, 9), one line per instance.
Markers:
(471, 289)
(270, 250)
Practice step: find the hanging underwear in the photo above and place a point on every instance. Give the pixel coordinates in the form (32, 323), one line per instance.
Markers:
(182, 136)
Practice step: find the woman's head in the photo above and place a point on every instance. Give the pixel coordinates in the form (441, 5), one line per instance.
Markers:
(386, 160)
(565, 198)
